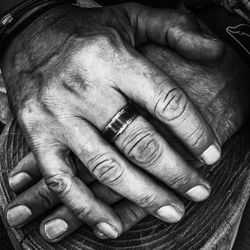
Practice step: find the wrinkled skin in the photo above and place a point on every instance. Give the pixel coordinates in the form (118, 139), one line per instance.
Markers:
(65, 82)
(219, 89)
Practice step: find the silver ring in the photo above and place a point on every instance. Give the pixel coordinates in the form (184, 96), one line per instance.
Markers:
(120, 122)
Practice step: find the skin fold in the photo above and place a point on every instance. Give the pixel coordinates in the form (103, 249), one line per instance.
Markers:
(219, 89)
(77, 70)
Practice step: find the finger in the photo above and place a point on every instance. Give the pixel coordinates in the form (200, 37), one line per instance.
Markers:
(26, 173)
(114, 171)
(40, 199)
(62, 221)
(164, 99)
(75, 194)
(81, 171)
(175, 28)
(30, 204)
(129, 213)
(141, 144)
(59, 224)
(146, 148)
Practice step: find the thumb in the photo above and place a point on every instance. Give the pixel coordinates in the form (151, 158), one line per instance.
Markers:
(175, 28)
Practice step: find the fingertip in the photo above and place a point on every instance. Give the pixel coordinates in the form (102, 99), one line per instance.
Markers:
(106, 229)
(53, 230)
(19, 181)
(170, 213)
(198, 193)
(17, 215)
(99, 234)
(214, 46)
(212, 154)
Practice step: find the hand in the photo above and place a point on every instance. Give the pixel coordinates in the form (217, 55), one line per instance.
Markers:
(225, 94)
(68, 80)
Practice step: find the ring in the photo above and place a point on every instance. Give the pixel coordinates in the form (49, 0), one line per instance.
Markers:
(120, 122)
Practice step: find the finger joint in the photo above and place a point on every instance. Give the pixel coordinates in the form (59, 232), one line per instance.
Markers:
(171, 105)
(59, 184)
(180, 181)
(49, 199)
(147, 201)
(106, 169)
(143, 147)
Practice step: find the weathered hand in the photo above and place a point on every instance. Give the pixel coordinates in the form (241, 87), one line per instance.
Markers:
(73, 74)
(218, 89)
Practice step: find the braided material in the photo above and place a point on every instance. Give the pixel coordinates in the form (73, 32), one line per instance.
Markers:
(206, 225)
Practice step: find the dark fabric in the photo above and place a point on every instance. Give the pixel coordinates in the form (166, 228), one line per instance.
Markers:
(242, 241)
(5, 243)
(6, 5)
(229, 27)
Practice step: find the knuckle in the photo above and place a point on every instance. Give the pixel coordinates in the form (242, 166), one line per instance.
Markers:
(143, 147)
(106, 169)
(104, 50)
(179, 181)
(27, 114)
(33, 115)
(147, 201)
(81, 212)
(132, 213)
(109, 40)
(171, 105)
(197, 137)
(184, 18)
(59, 184)
(47, 196)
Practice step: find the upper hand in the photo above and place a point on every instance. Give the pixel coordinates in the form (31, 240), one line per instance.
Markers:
(74, 73)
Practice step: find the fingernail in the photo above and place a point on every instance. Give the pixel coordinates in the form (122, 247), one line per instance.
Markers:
(18, 215)
(169, 214)
(55, 228)
(198, 193)
(209, 37)
(212, 154)
(107, 229)
(19, 180)
(100, 234)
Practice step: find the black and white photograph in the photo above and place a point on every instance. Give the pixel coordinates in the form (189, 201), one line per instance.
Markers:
(124, 125)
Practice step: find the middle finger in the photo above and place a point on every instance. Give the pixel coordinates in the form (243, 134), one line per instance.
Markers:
(141, 144)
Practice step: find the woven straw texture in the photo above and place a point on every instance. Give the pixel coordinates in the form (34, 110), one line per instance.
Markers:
(207, 225)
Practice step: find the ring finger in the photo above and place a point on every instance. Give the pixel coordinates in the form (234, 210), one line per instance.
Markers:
(141, 144)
